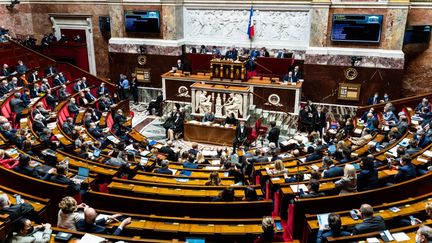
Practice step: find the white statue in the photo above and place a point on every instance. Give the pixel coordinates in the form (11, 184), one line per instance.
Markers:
(204, 102)
(218, 106)
(234, 104)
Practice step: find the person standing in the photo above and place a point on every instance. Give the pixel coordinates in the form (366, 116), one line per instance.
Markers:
(273, 135)
(134, 88)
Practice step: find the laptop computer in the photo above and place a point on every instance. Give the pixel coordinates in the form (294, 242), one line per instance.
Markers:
(83, 174)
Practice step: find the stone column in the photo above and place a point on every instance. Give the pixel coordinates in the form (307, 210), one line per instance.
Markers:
(172, 19)
(394, 24)
(116, 14)
(319, 23)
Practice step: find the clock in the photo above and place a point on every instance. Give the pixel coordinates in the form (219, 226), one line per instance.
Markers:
(351, 73)
(142, 60)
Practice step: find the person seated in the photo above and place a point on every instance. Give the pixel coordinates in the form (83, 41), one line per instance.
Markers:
(60, 177)
(424, 234)
(313, 154)
(279, 168)
(164, 168)
(367, 179)
(231, 120)
(269, 234)
(330, 170)
(50, 70)
(334, 230)
(5, 72)
(9, 133)
(89, 96)
(208, 117)
(40, 109)
(226, 195)
(119, 119)
(82, 100)
(259, 157)
(422, 139)
(8, 163)
(4, 88)
(51, 99)
(313, 190)
(120, 160)
(176, 127)
(413, 147)
(190, 163)
(68, 216)
(289, 77)
(33, 78)
(25, 168)
(375, 99)
(298, 177)
(38, 124)
(406, 170)
(423, 104)
(21, 68)
(348, 183)
(194, 150)
(91, 225)
(73, 107)
(370, 222)
(18, 210)
(68, 126)
(63, 94)
(25, 232)
(214, 179)
(13, 84)
(58, 81)
(250, 194)
(167, 149)
(102, 90)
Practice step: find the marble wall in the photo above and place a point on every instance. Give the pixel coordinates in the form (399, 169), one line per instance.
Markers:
(319, 26)
(18, 21)
(417, 78)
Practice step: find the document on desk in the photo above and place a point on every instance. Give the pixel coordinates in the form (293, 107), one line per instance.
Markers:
(296, 188)
(428, 153)
(323, 220)
(400, 236)
(212, 168)
(373, 240)
(89, 238)
(209, 153)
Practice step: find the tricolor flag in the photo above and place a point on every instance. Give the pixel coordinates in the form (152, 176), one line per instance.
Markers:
(251, 27)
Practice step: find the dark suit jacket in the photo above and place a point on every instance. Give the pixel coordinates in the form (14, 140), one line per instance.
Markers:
(273, 135)
(4, 90)
(30, 171)
(67, 128)
(33, 78)
(103, 106)
(77, 88)
(372, 100)
(375, 223)
(61, 179)
(293, 78)
(241, 136)
(17, 105)
(73, 108)
(38, 127)
(50, 71)
(51, 101)
(333, 172)
(90, 98)
(98, 227)
(17, 211)
(170, 152)
(34, 93)
(367, 180)
(405, 172)
(57, 82)
(62, 94)
(320, 119)
(101, 92)
(5, 72)
(163, 171)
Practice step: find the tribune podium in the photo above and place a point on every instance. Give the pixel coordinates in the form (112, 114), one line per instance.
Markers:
(227, 69)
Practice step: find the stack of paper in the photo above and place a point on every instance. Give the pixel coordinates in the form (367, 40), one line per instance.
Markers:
(401, 236)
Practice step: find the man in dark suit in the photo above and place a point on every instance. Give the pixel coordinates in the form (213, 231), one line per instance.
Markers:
(68, 126)
(167, 149)
(61, 178)
(62, 93)
(259, 157)
(57, 81)
(331, 170)
(34, 92)
(374, 99)
(194, 150)
(241, 135)
(33, 77)
(320, 121)
(313, 190)
(51, 99)
(231, 54)
(164, 168)
(5, 71)
(179, 65)
(17, 106)
(77, 86)
(38, 124)
(21, 68)
(208, 117)
(103, 105)
(72, 107)
(50, 71)
(25, 168)
(406, 171)
(102, 90)
(370, 223)
(21, 209)
(273, 135)
(89, 96)
(4, 88)
(91, 225)
(297, 73)
(289, 77)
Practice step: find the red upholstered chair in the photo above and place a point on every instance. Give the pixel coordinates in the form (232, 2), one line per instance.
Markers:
(252, 137)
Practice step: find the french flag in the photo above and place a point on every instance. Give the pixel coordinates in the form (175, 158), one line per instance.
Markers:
(251, 27)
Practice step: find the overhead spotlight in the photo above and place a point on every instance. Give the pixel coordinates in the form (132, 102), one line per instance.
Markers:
(355, 60)
(12, 4)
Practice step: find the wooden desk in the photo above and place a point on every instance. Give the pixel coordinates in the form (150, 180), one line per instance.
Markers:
(209, 134)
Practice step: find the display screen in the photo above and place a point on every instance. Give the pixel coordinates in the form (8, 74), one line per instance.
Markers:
(356, 28)
(142, 21)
